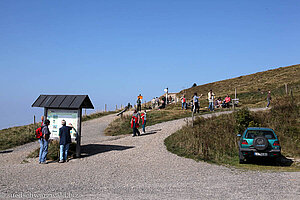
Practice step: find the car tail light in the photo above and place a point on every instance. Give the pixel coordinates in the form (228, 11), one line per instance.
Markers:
(245, 142)
(276, 143)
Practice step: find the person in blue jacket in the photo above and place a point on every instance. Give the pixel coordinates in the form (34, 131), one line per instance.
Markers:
(64, 140)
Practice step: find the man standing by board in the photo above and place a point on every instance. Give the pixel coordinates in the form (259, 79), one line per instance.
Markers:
(64, 140)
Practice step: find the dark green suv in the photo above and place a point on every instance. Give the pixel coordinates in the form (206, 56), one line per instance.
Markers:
(258, 142)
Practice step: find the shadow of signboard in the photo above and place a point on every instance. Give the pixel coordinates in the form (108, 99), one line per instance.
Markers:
(93, 149)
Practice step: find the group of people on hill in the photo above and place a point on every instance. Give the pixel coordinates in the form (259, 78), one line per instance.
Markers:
(43, 135)
(212, 102)
(195, 102)
(137, 119)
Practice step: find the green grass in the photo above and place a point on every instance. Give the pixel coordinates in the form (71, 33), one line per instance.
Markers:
(53, 151)
(251, 89)
(16, 136)
(121, 126)
(214, 139)
(98, 115)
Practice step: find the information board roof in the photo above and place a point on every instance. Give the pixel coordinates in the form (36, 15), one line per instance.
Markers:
(63, 101)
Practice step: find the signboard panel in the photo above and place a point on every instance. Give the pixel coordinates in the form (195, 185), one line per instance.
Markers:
(57, 115)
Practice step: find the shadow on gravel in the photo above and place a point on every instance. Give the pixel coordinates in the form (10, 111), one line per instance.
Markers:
(93, 149)
(149, 133)
(281, 161)
(6, 151)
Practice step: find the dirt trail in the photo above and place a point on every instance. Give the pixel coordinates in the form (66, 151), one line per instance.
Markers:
(140, 168)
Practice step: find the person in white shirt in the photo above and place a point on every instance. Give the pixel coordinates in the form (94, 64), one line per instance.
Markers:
(211, 99)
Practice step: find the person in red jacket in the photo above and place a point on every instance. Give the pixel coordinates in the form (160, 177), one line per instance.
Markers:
(135, 121)
(227, 101)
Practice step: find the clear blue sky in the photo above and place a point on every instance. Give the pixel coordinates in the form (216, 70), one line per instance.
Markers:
(114, 50)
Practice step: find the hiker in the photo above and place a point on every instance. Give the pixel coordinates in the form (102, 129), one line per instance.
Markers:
(269, 98)
(157, 101)
(211, 97)
(183, 102)
(135, 120)
(227, 101)
(42, 119)
(196, 102)
(64, 140)
(163, 103)
(153, 101)
(219, 102)
(144, 118)
(139, 104)
(44, 142)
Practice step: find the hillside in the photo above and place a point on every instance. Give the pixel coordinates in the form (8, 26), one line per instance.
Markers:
(252, 88)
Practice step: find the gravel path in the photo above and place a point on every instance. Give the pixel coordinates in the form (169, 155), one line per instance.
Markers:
(139, 168)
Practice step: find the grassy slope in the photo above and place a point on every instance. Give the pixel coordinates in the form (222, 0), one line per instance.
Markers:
(97, 115)
(16, 136)
(248, 86)
(214, 139)
(122, 126)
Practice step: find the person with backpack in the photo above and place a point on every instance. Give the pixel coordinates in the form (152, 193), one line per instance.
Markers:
(64, 140)
(144, 118)
(44, 137)
(135, 121)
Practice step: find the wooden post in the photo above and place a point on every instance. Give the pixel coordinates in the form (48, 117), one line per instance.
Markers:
(193, 116)
(45, 113)
(105, 108)
(34, 119)
(85, 112)
(78, 138)
(286, 89)
(233, 101)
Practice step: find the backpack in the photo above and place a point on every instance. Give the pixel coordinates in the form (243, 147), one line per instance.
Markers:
(38, 132)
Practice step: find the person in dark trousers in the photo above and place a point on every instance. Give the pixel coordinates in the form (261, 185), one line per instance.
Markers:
(135, 121)
(196, 103)
(139, 104)
(64, 141)
(269, 98)
(183, 102)
(44, 142)
(144, 118)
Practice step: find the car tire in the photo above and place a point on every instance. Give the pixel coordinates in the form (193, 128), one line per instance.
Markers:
(241, 158)
(260, 143)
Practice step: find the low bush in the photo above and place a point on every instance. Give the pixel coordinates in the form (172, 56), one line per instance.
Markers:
(53, 151)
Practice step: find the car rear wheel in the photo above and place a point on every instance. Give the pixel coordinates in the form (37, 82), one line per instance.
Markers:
(260, 143)
(241, 158)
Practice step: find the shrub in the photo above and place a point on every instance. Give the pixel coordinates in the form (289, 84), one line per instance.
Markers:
(53, 151)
